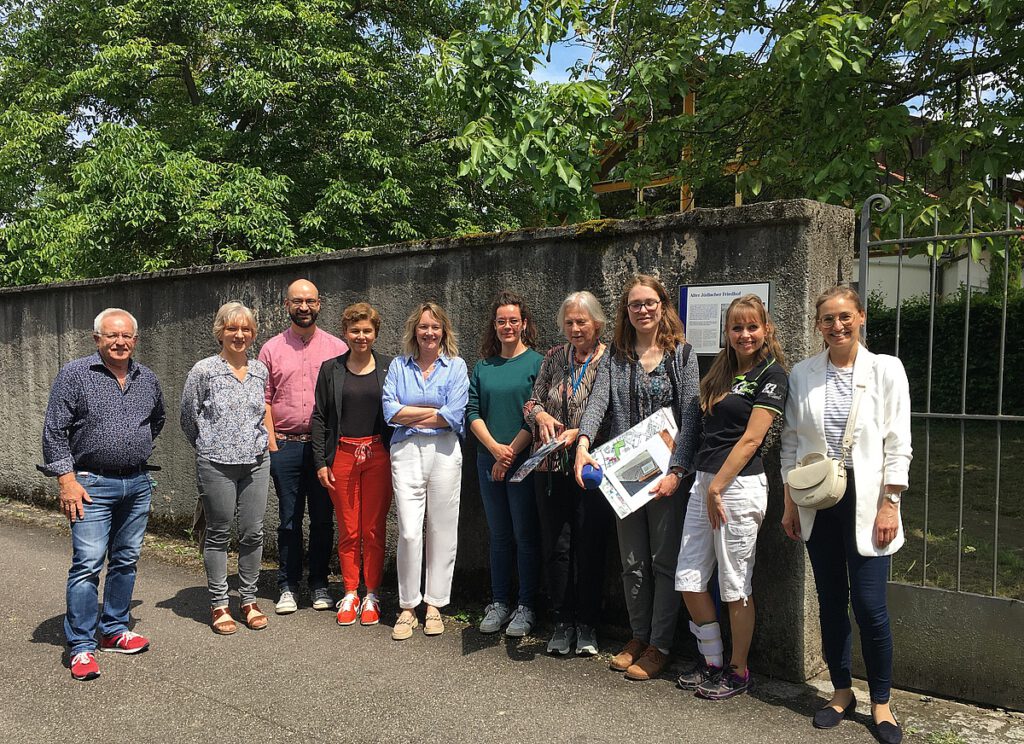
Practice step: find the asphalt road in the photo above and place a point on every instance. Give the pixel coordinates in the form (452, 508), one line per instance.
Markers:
(305, 678)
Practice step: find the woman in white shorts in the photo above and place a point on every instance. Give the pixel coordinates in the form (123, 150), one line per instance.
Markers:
(740, 396)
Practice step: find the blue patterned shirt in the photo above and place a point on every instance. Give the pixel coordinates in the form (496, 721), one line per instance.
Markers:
(447, 390)
(92, 424)
(222, 416)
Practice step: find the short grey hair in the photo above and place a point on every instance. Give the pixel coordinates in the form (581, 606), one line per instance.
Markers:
(228, 312)
(98, 323)
(586, 302)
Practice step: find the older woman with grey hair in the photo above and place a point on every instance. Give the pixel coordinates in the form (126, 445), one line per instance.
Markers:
(222, 408)
(574, 522)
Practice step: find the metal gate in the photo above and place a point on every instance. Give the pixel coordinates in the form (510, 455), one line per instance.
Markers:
(964, 511)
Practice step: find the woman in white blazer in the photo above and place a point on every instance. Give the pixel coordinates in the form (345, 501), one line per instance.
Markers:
(850, 544)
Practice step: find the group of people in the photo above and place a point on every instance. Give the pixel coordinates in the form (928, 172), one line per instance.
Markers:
(335, 423)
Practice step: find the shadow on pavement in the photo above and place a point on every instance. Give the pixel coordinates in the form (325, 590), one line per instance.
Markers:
(192, 602)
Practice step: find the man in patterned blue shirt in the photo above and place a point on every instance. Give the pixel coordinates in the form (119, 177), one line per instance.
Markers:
(104, 412)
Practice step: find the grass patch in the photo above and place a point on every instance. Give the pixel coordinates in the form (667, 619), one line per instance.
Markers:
(964, 528)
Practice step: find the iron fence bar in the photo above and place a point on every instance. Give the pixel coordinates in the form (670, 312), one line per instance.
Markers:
(899, 319)
(899, 291)
(945, 238)
(933, 270)
(1003, 417)
(963, 410)
(880, 203)
(999, 406)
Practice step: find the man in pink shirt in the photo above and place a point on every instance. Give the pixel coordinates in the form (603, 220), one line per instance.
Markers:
(294, 358)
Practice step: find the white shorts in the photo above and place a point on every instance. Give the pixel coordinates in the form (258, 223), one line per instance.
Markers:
(732, 546)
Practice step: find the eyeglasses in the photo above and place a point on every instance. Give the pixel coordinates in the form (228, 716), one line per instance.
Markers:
(300, 303)
(635, 307)
(118, 336)
(511, 323)
(827, 321)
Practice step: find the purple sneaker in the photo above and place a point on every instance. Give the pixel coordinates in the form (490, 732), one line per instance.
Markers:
(725, 685)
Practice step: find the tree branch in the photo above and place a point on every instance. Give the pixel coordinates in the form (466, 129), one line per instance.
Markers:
(190, 83)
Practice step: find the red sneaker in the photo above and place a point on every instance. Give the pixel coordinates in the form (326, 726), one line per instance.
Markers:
(124, 643)
(84, 666)
(370, 612)
(348, 609)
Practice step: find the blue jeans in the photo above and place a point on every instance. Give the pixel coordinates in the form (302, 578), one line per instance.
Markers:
(511, 511)
(843, 576)
(298, 489)
(114, 524)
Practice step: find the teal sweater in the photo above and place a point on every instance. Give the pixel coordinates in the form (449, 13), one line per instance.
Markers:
(498, 389)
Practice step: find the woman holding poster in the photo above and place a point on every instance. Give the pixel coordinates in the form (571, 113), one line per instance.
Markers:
(741, 395)
(574, 522)
(651, 367)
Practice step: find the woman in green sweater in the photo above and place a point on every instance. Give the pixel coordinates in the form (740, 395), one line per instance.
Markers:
(501, 383)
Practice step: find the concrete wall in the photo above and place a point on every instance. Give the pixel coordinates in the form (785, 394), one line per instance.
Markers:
(958, 644)
(802, 247)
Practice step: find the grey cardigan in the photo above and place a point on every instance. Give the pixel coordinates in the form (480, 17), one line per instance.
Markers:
(611, 396)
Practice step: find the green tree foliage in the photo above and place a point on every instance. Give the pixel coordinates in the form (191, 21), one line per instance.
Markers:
(137, 135)
(806, 96)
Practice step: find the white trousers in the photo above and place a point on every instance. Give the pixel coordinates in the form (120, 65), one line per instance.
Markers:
(426, 473)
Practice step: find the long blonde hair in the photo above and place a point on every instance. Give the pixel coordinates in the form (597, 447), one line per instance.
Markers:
(670, 329)
(449, 345)
(718, 380)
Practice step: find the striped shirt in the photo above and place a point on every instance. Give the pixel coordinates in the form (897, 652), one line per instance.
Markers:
(838, 398)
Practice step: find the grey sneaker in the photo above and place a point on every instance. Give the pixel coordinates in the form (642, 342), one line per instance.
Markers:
(694, 676)
(495, 615)
(725, 685)
(562, 639)
(586, 640)
(521, 623)
(286, 605)
(322, 599)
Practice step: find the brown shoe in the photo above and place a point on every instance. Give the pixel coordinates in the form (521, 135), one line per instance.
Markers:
(628, 655)
(222, 622)
(253, 618)
(648, 666)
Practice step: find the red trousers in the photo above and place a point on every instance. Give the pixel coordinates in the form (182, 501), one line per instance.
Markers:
(362, 497)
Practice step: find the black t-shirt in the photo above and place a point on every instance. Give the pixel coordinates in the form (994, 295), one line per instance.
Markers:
(361, 406)
(765, 386)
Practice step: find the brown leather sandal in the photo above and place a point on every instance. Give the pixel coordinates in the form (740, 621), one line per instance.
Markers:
(222, 623)
(253, 618)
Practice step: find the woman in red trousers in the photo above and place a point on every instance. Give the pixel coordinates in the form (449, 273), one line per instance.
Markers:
(350, 453)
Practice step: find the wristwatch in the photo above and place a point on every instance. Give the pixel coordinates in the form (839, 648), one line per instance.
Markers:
(894, 498)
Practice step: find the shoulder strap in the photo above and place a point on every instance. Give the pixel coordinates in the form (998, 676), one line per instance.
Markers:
(850, 420)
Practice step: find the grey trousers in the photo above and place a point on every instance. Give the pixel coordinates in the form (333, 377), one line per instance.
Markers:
(648, 548)
(225, 490)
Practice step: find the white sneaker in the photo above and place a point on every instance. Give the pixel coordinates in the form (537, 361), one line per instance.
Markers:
(286, 605)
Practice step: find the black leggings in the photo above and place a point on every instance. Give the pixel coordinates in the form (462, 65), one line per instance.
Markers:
(574, 526)
(842, 575)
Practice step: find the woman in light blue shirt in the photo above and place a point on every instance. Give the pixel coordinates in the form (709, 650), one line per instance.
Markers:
(222, 409)
(425, 396)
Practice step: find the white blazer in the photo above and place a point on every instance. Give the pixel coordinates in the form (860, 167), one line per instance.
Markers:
(881, 436)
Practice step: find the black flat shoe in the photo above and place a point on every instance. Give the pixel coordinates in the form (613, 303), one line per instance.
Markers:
(888, 733)
(828, 717)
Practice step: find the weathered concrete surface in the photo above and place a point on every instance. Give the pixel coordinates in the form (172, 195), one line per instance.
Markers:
(799, 246)
(306, 679)
(966, 645)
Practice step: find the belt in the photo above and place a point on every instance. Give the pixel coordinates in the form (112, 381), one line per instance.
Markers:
(112, 472)
(361, 447)
(294, 437)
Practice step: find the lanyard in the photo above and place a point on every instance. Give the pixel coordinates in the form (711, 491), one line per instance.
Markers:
(583, 370)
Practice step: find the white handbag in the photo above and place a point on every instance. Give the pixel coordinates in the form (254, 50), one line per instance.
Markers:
(819, 481)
